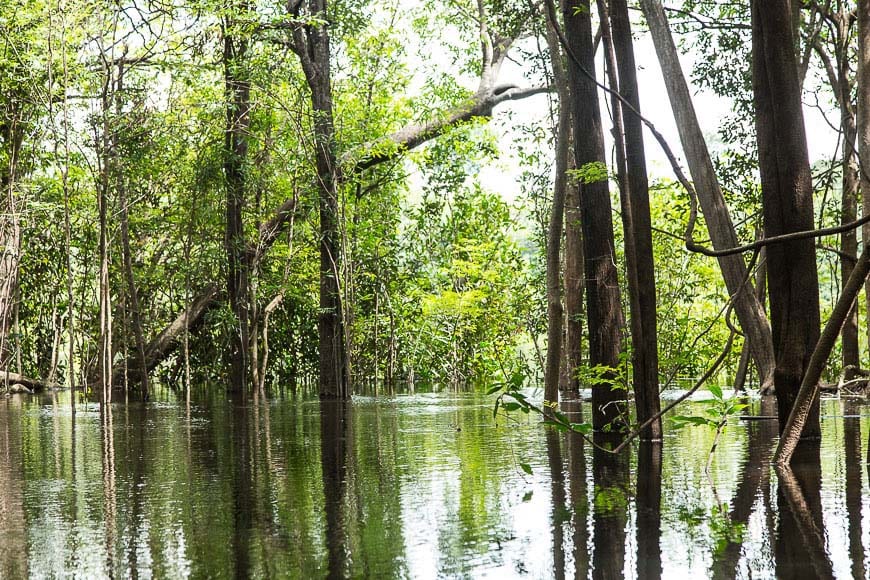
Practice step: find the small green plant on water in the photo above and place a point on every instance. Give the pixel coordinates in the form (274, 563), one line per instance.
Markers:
(717, 413)
(511, 398)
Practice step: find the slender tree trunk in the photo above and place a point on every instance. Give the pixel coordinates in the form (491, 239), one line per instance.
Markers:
(132, 291)
(641, 281)
(237, 88)
(554, 233)
(745, 354)
(10, 234)
(749, 310)
(312, 46)
(787, 203)
(863, 114)
(603, 307)
(849, 239)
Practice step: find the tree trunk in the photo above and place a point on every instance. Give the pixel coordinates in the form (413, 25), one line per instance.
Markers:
(603, 307)
(749, 310)
(554, 233)
(863, 128)
(237, 89)
(803, 414)
(849, 239)
(641, 281)
(787, 203)
(312, 46)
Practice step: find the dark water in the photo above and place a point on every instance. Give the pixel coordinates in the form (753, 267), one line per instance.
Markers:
(420, 486)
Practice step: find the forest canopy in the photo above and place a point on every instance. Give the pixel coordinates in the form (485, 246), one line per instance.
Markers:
(357, 194)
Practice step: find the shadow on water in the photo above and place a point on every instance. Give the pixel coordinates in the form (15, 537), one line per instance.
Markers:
(610, 507)
(334, 419)
(800, 529)
(649, 510)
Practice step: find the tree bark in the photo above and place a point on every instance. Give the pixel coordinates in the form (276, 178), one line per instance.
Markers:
(787, 204)
(863, 114)
(641, 281)
(237, 89)
(806, 399)
(603, 307)
(10, 250)
(555, 313)
(750, 312)
(312, 47)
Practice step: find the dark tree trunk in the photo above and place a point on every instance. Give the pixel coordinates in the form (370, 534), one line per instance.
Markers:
(749, 310)
(312, 46)
(603, 308)
(641, 275)
(787, 202)
(238, 122)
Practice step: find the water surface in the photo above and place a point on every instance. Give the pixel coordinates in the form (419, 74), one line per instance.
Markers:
(422, 485)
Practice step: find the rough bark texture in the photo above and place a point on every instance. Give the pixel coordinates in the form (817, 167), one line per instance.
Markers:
(642, 284)
(238, 120)
(749, 310)
(787, 203)
(603, 307)
(555, 312)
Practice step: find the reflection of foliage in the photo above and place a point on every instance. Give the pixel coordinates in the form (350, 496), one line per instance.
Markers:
(610, 500)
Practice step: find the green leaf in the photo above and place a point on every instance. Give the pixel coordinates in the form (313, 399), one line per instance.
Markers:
(526, 467)
(528, 496)
(510, 406)
(494, 389)
(692, 419)
(716, 391)
(556, 424)
(584, 428)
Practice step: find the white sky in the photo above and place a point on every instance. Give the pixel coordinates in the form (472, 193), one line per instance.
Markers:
(710, 108)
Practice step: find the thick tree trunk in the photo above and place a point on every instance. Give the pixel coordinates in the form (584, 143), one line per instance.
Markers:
(555, 313)
(787, 203)
(603, 307)
(803, 417)
(750, 312)
(237, 88)
(642, 284)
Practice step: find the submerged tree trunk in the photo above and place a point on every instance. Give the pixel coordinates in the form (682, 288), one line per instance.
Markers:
(749, 310)
(237, 87)
(641, 281)
(603, 307)
(787, 204)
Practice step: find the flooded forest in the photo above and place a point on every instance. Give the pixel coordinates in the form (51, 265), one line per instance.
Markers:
(434, 289)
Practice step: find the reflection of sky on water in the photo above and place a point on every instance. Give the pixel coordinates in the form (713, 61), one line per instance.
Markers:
(431, 488)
